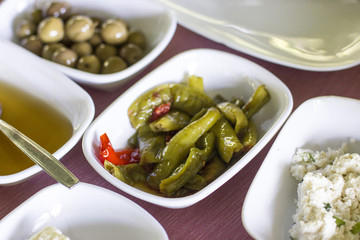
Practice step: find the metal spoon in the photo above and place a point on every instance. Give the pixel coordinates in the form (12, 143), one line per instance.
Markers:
(39, 155)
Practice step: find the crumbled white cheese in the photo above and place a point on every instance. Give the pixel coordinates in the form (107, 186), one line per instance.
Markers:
(328, 194)
(49, 233)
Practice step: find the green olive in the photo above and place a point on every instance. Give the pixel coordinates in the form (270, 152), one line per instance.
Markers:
(90, 64)
(79, 28)
(137, 38)
(25, 29)
(58, 9)
(113, 65)
(75, 39)
(33, 44)
(65, 56)
(96, 39)
(51, 29)
(131, 52)
(104, 51)
(82, 48)
(49, 49)
(114, 31)
(36, 16)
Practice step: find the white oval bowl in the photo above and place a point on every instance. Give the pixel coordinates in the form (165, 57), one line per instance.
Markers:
(23, 70)
(84, 212)
(318, 123)
(223, 73)
(156, 22)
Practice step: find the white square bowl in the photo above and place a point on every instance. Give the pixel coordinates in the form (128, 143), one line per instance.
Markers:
(156, 22)
(317, 124)
(83, 212)
(21, 69)
(223, 73)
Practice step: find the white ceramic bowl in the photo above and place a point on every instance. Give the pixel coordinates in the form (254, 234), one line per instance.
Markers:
(23, 70)
(299, 34)
(156, 22)
(223, 73)
(83, 212)
(317, 124)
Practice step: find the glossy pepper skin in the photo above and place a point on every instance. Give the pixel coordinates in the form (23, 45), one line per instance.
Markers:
(181, 97)
(131, 173)
(195, 161)
(179, 146)
(250, 137)
(171, 121)
(196, 183)
(150, 144)
(195, 82)
(256, 101)
(190, 100)
(234, 114)
(227, 142)
(214, 168)
(141, 110)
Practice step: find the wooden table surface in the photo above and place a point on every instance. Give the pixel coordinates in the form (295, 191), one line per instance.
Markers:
(219, 215)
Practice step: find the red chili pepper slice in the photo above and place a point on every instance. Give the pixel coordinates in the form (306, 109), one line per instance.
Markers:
(107, 152)
(160, 111)
(129, 155)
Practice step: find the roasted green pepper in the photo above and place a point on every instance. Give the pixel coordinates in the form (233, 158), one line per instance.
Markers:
(131, 173)
(189, 99)
(213, 168)
(227, 142)
(249, 137)
(196, 160)
(234, 114)
(185, 98)
(141, 109)
(195, 82)
(237, 101)
(133, 141)
(150, 144)
(199, 114)
(171, 121)
(179, 146)
(219, 98)
(196, 183)
(256, 101)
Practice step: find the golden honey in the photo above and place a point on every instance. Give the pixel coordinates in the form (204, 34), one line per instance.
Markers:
(36, 119)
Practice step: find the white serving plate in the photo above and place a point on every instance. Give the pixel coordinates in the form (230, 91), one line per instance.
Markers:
(317, 35)
(156, 22)
(317, 124)
(23, 70)
(223, 73)
(83, 212)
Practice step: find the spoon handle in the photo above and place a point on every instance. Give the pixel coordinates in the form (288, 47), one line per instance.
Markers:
(39, 155)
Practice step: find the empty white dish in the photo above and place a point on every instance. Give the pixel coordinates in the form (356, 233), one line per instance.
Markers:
(223, 73)
(318, 124)
(312, 35)
(83, 212)
(156, 22)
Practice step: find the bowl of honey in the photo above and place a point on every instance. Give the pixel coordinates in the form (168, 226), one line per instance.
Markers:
(43, 104)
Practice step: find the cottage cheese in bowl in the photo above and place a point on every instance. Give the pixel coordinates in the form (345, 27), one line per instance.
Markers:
(328, 194)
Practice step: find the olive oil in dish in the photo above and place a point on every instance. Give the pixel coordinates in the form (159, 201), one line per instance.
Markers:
(36, 119)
